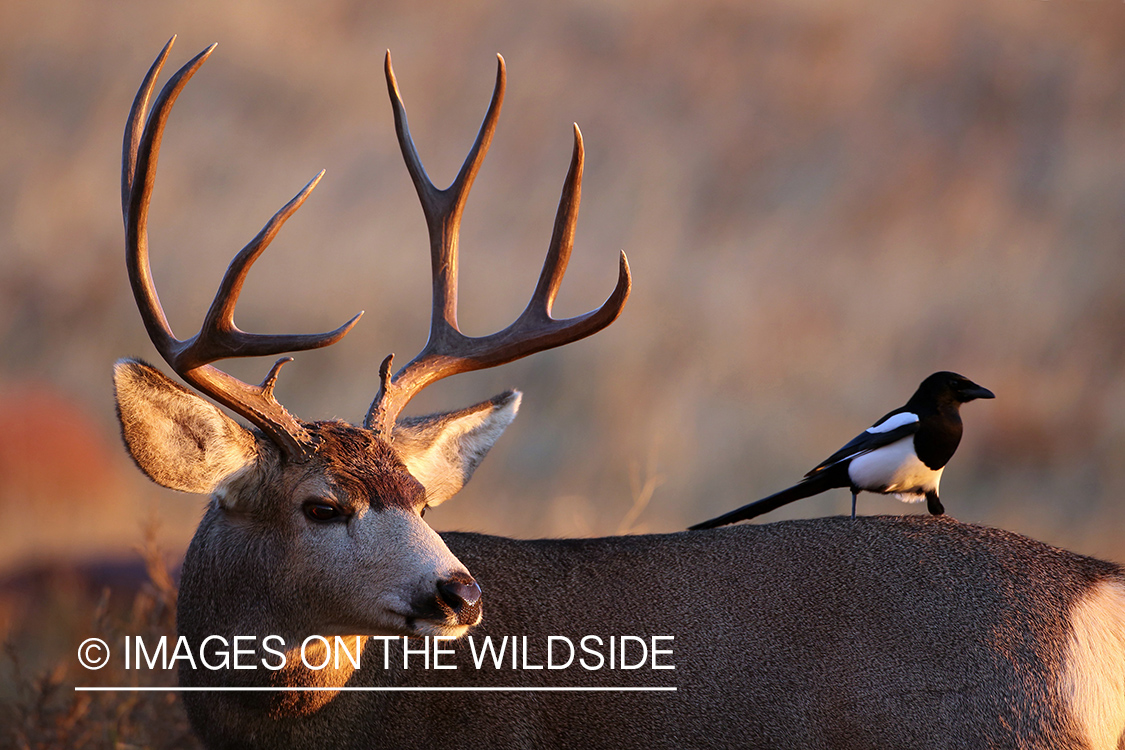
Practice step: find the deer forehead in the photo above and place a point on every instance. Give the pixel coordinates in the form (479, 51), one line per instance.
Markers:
(357, 463)
(351, 465)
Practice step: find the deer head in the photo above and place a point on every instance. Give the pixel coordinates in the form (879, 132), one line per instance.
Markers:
(316, 527)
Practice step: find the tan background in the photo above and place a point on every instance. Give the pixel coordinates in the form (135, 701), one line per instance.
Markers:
(822, 203)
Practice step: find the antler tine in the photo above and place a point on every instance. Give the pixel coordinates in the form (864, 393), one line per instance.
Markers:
(535, 326)
(562, 236)
(558, 254)
(135, 125)
(448, 351)
(443, 208)
(139, 171)
(218, 337)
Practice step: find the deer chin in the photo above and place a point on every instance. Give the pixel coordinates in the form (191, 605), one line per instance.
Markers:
(396, 625)
(453, 626)
(440, 629)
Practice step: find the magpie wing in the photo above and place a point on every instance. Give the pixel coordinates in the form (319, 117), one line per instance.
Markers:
(891, 428)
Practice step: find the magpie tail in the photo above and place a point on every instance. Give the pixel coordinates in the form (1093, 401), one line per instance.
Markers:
(812, 486)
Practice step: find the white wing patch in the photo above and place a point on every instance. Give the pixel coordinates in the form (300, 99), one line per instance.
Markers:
(893, 423)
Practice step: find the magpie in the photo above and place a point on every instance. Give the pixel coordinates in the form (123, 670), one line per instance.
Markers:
(903, 454)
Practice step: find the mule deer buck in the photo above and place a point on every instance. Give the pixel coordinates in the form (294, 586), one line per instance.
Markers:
(875, 633)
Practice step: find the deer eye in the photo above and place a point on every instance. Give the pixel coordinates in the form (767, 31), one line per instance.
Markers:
(320, 511)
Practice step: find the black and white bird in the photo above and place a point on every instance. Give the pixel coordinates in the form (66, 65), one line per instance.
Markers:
(903, 454)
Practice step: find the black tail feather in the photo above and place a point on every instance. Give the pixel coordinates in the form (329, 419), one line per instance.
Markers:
(812, 486)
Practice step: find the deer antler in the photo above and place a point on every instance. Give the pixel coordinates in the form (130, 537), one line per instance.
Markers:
(218, 338)
(448, 351)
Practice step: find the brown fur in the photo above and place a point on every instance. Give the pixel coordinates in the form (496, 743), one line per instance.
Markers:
(886, 632)
(879, 632)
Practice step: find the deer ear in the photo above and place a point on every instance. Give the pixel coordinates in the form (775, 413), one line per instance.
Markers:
(443, 450)
(179, 440)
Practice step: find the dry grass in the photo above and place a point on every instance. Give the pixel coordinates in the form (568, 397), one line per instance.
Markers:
(822, 204)
(39, 708)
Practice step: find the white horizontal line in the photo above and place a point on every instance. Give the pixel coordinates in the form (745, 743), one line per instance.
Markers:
(126, 689)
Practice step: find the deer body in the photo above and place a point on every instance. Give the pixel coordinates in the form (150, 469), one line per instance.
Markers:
(938, 634)
(830, 633)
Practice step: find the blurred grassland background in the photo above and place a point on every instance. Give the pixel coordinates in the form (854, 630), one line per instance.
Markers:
(822, 204)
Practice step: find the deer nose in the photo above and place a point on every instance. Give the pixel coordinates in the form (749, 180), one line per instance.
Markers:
(459, 595)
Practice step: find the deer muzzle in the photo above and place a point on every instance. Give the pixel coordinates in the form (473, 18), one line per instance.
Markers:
(462, 598)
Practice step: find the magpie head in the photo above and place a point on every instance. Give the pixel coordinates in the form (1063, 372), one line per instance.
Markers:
(946, 387)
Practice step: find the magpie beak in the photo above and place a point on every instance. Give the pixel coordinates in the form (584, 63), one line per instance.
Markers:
(903, 454)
